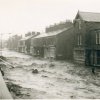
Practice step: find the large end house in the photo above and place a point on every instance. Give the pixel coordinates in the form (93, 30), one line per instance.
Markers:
(87, 38)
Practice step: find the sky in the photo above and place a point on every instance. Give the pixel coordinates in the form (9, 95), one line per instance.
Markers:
(22, 16)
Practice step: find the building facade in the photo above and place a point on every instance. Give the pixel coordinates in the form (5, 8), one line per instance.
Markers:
(12, 42)
(87, 30)
(65, 44)
(24, 44)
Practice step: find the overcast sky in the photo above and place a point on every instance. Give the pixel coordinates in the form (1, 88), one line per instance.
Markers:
(21, 16)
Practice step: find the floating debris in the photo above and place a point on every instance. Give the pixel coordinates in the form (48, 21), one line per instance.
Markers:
(51, 65)
(16, 90)
(44, 76)
(2, 72)
(34, 64)
(2, 58)
(35, 71)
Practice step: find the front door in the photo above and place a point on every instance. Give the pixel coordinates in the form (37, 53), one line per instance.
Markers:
(52, 52)
(46, 52)
(88, 57)
(98, 57)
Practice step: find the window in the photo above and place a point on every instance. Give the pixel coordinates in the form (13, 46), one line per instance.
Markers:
(79, 24)
(98, 38)
(79, 39)
(21, 42)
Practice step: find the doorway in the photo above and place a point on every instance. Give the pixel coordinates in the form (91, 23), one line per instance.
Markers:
(98, 57)
(88, 57)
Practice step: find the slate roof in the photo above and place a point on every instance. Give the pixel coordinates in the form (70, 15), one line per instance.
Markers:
(89, 16)
(41, 35)
(26, 38)
(56, 32)
(50, 33)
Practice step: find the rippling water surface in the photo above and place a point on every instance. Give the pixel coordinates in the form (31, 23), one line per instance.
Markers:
(62, 80)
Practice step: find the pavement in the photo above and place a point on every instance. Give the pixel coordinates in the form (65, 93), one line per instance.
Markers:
(4, 92)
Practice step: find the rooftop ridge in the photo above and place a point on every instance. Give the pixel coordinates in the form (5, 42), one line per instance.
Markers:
(88, 16)
(89, 12)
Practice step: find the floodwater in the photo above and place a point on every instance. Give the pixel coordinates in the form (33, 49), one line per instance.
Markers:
(55, 80)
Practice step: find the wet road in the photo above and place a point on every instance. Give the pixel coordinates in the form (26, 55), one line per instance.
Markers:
(57, 79)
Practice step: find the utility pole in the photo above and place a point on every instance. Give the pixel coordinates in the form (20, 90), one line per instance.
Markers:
(9, 44)
(1, 45)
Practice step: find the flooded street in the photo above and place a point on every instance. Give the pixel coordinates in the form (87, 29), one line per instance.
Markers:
(56, 80)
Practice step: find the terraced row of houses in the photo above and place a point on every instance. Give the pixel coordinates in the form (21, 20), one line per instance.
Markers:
(78, 40)
(49, 44)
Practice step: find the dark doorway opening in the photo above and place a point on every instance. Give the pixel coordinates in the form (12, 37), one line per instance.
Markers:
(88, 57)
(98, 57)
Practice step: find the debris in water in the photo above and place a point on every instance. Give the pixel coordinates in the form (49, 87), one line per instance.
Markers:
(72, 96)
(16, 90)
(51, 65)
(2, 72)
(44, 76)
(35, 71)
(34, 64)
(12, 87)
(93, 70)
(43, 65)
(2, 58)
(2, 65)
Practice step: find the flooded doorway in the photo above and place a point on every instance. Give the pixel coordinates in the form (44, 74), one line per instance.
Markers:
(98, 57)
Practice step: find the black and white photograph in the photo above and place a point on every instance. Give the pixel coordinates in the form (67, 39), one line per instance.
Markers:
(49, 49)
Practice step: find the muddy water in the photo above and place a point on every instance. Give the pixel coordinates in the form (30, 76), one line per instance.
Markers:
(62, 80)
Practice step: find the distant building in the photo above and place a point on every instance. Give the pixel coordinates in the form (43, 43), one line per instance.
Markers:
(24, 44)
(37, 45)
(12, 42)
(87, 38)
(58, 26)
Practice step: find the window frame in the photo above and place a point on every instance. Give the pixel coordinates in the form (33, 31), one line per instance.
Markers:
(79, 39)
(98, 38)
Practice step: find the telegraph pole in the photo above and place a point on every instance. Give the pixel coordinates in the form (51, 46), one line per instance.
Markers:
(9, 46)
(1, 44)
